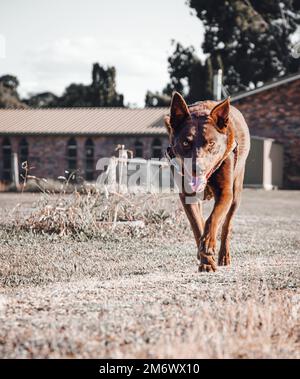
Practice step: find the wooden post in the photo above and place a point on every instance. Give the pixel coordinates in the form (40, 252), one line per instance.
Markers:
(112, 175)
(148, 176)
(15, 170)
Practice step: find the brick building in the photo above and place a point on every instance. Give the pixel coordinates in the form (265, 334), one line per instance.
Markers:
(55, 140)
(273, 111)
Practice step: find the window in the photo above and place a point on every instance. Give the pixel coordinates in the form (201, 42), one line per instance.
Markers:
(89, 160)
(23, 151)
(6, 151)
(138, 147)
(72, 155)
(156, 148)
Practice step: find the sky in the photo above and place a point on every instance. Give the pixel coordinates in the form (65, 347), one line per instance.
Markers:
(50, 44)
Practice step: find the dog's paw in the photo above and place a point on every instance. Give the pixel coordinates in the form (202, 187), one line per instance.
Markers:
(224, 261)
(206, 254)
(207, 264)
(224, 258)
(207, 268)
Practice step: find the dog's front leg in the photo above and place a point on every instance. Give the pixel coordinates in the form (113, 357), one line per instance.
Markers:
(193, 210)
(208, 241)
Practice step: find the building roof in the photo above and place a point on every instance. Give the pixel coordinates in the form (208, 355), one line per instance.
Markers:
(99, 121)
(267, 86)
(87, 121)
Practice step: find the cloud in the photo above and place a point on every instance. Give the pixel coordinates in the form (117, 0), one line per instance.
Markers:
(69, 53)
(64, 51)
(62, 61)
(50, 48)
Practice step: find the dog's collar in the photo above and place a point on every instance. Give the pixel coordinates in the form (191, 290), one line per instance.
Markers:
(171, 157)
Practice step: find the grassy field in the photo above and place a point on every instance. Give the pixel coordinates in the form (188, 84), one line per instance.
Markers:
(137, 293)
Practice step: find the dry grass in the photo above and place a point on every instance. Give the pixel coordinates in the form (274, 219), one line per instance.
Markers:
(95, 215)
(237, 327)
(118, 293)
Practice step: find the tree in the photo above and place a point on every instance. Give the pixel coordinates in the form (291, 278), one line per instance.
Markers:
(104, 87)
(181, 64)
(9, 97)
(156, 99)
(10, 81)
(100, 93)
(42, 100)
(250, 40)
(188, 75)
(76, 95)
(252, 37)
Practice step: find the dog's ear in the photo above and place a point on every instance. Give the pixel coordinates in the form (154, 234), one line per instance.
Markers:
(220, 114)
(178, 113)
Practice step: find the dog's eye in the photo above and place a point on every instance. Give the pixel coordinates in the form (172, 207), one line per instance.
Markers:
(211, 143)
(186, 143)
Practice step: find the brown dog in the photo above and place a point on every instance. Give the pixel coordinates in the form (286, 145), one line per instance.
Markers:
(215, 138)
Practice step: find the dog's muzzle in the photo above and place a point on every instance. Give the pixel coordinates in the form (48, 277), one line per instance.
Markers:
(196, 183)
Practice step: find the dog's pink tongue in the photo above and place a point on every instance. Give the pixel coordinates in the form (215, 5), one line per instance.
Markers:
(198, 183)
